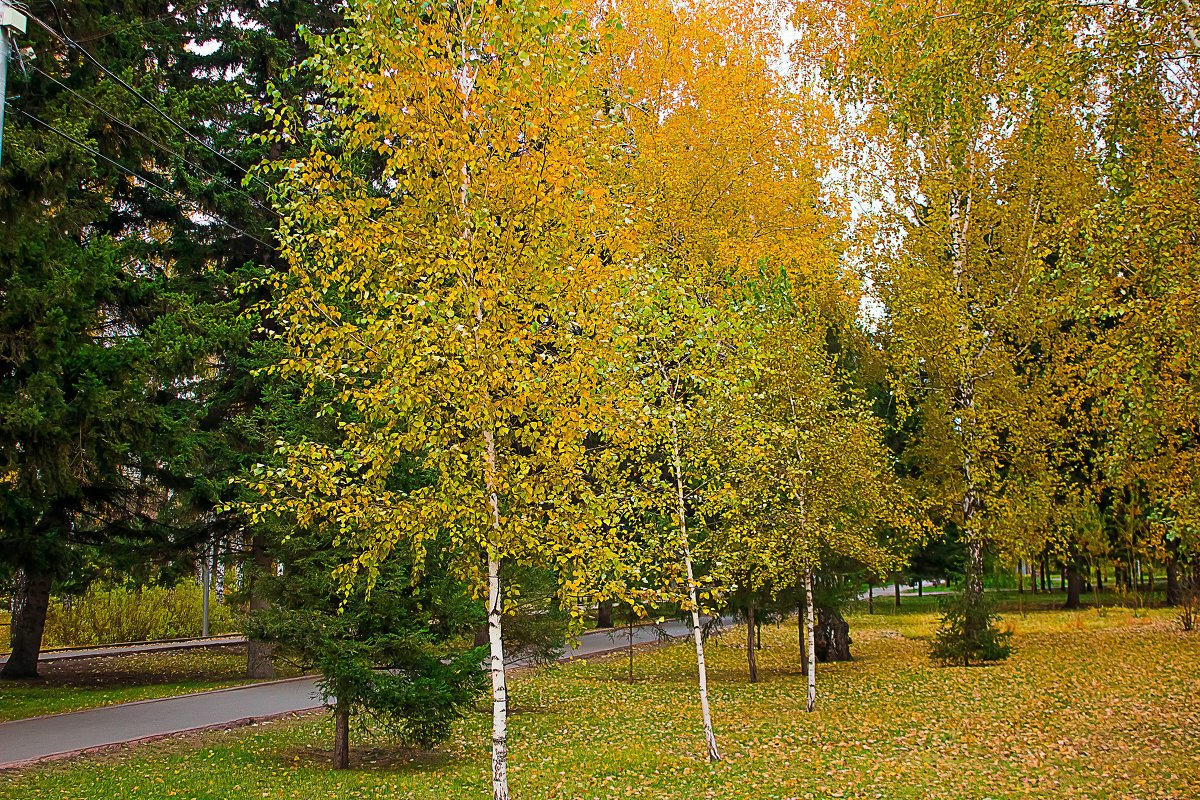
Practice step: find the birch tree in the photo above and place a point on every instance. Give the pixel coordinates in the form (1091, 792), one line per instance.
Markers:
(981, 173)
(821, 485)
(451, 245)
(723, 167)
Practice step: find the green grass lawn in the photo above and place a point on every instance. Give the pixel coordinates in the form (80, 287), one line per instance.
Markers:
(1091, 706)
(88, 683)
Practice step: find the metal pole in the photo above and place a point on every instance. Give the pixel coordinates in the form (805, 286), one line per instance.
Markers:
(9, 18)
(4, 12)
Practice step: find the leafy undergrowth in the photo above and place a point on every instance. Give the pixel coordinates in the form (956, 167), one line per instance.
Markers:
(93, 682)
(1106, 710)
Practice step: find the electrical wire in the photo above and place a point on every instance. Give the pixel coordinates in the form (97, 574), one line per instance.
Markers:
(69, 42)
(132, 173)
(173, 13)
(162, 147)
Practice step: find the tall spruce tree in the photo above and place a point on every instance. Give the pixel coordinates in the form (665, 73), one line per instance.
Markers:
(100, 332)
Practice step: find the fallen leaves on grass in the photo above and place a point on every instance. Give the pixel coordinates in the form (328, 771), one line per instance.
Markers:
(1107, 711)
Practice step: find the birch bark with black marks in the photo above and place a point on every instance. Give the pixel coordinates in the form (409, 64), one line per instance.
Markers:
(693, 596)
(810, 628)
(495, 640)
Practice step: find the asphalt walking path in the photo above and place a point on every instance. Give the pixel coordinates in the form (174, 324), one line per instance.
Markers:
(28, 741)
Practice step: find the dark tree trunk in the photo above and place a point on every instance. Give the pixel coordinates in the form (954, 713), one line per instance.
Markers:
(631, 647)
(1045, 574)
(751, 655)
(758, 634)
(604, 614)
(28, 621)
(1020, 577)
(341, 736)
(258, 654)
(831, 638)
(1099, 579)
(920, 587)
(972, 584)
(897, 585)
(1174, 590)
(870, 603)
(1074, 587)
(800, 627)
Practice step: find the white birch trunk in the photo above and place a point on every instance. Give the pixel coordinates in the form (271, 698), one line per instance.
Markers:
(495, 641)
(499, 686)
(709, 737)
(1188, 29)
(810, 628)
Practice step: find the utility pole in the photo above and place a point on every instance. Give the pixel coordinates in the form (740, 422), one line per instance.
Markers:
(9, 18)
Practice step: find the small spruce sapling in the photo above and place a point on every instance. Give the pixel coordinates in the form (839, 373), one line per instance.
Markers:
(968, 632)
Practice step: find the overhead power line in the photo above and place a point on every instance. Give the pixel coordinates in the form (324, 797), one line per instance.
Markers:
(69, 42)
(169, 194)
(162, 147)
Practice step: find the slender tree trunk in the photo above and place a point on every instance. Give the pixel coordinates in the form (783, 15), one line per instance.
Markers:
(1020, 577)
(800, 618)
(206, 579)
(341, 735)
(681, 508)
(758, 634)
(258, 654)
(897, 585)
(604, 611)
(870, 599)
(27, 624)
(810, 624)
(631, 648)
(698, 635)
(1174, 590)
(920, 587)
(499, 684)
(751, 656)
(495, 639)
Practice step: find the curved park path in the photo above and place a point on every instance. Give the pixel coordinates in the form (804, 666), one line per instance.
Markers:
(28, 741)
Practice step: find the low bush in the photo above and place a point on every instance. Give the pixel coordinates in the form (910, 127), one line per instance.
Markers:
(107, 614)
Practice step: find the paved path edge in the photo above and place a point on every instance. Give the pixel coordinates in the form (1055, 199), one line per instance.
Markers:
(30, 762)
(103, 748)
(246, 685)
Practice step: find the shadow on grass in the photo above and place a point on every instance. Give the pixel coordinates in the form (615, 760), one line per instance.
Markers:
(367, 758)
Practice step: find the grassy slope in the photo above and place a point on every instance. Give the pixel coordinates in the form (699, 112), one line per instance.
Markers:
(75, 685)
(1090, 707)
